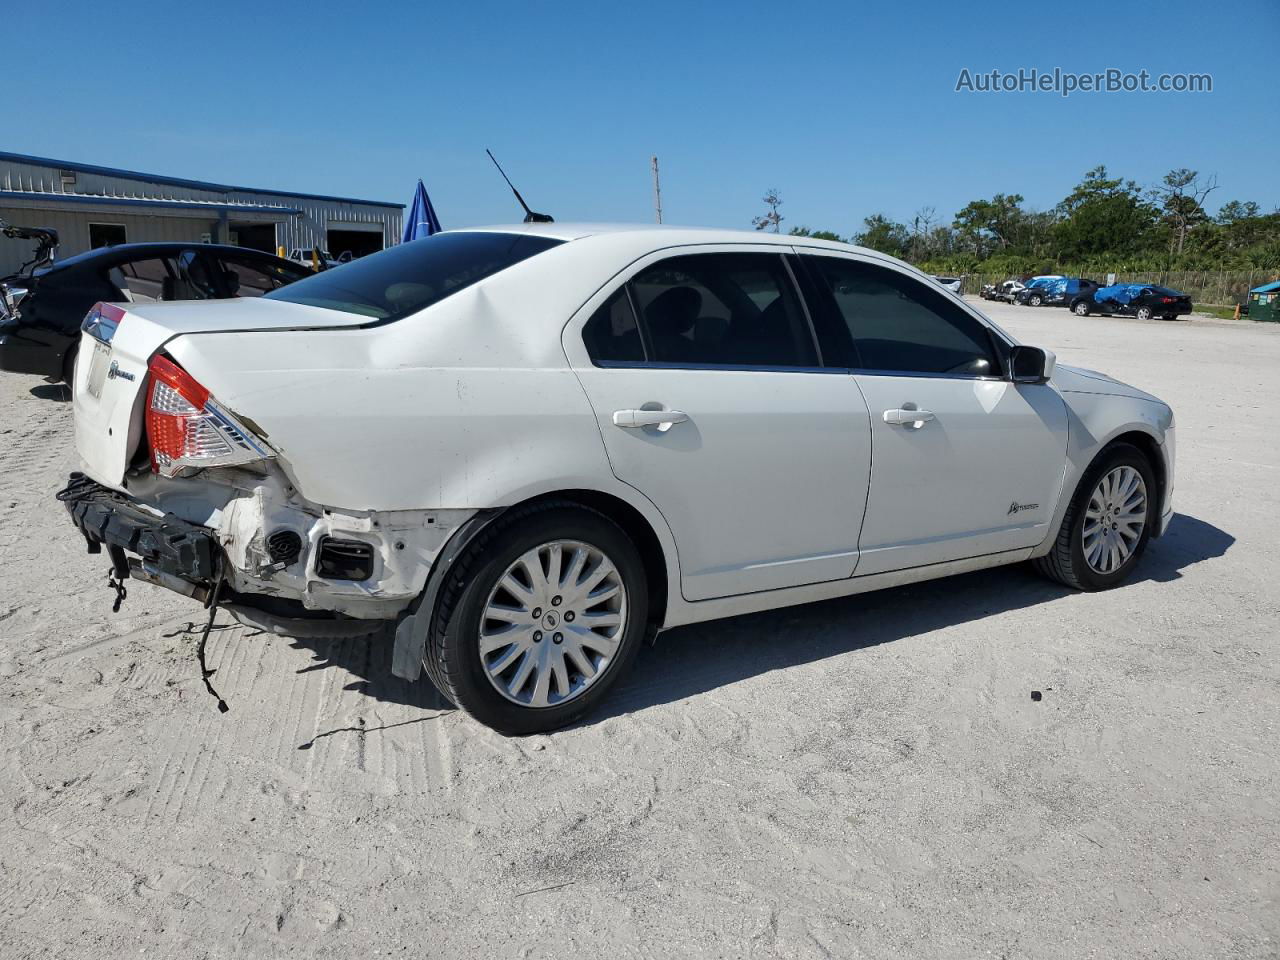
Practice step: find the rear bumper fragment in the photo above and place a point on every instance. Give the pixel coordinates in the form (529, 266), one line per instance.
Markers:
(167, 543)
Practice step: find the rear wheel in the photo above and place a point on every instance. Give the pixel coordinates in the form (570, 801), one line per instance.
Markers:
(1081, 309)
(540, 617)
(1107, 526)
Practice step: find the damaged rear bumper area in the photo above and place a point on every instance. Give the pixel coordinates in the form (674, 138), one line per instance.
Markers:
(169, 551)
(335, 581)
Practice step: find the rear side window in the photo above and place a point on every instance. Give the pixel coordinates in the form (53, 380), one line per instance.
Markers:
(402, 280)
(902, 325)
(723, 309)
(253, 278)
(611, 335)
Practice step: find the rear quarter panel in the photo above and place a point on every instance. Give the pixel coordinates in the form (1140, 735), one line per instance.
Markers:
(468, 404)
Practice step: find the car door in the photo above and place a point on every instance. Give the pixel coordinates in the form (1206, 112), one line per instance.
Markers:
(712, 401)
(964, 462)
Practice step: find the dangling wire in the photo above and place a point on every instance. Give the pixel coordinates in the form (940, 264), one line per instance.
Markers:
(205, 672)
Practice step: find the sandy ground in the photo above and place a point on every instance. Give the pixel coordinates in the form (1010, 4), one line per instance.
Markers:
(859, 778)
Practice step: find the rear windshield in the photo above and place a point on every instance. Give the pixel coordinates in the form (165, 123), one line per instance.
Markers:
(402, 280)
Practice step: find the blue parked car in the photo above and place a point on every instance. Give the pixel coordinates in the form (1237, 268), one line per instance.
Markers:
(1054, 291)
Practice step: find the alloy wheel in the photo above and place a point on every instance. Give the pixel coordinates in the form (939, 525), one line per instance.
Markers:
(1114, 520)
(553, 623)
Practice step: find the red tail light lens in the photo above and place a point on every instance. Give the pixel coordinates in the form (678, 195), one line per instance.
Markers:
(1166, 299)
(187, 428)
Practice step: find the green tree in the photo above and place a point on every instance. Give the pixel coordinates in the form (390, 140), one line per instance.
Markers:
(773, 218)
(1182, 194)
(816, 234)
(883, 234)
(987, 225)
(1104, 216)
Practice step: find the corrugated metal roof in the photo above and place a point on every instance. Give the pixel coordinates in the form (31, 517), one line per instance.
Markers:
(180, 182)
(90, 198)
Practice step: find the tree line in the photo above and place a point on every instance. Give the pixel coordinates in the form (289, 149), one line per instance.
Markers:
(1104, 224)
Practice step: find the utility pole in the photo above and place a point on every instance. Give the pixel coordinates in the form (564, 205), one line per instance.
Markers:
(657, 192)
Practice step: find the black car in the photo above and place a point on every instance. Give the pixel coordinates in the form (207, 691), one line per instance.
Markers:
(41, 313)
(1056, 293)
(1143, 301)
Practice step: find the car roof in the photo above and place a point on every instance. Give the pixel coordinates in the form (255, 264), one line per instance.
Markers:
(127, 251)
(661, 235)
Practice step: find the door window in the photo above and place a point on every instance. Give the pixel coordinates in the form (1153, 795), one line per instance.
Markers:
(195, 278)
(723, 309)
(249, 278)
(899, 324)
(141, 281)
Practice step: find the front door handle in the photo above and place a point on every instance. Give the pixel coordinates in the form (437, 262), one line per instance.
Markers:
(907, 418)
(662, 419)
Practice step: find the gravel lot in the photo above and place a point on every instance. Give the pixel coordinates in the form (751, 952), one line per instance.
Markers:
(859, 778)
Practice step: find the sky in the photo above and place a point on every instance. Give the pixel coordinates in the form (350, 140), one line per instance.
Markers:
(847, 109)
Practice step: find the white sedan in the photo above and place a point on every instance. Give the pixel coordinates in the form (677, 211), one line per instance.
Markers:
(528, 448)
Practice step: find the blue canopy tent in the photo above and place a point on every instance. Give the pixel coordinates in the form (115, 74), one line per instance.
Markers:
(422, 220)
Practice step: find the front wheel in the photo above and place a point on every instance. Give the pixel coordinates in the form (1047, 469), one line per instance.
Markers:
(1035, 301)
(1144, 313)
(1108, 523)
(540, 617)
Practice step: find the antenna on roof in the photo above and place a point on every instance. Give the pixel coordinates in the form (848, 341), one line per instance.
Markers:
(529, 215)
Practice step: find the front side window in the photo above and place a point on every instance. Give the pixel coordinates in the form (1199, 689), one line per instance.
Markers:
(723, 309)
(901, 325)
(405, 279)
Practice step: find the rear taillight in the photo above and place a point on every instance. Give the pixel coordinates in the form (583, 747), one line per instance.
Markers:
(1166, 299)
(187, 428)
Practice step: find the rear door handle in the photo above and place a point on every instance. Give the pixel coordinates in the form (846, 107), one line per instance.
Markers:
(907, 418)
(662, 419)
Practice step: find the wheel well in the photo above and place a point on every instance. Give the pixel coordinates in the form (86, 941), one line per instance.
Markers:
(1148, 445)
(635, 526)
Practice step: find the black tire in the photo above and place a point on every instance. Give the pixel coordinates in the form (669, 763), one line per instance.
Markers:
(1035, 301)
(1143, 313)
(1081, 309)
(69, 366)
(452, 659)
(1066, 562)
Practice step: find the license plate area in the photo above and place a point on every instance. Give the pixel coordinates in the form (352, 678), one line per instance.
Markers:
(98, 366)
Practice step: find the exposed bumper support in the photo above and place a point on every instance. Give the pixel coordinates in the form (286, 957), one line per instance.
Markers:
(167, 544)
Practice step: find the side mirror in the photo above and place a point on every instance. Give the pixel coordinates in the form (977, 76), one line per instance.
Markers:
(1031, 364)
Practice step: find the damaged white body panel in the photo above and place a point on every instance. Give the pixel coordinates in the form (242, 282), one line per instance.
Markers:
(241, 507)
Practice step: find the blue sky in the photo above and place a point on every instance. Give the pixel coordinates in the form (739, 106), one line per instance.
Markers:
(848, 109)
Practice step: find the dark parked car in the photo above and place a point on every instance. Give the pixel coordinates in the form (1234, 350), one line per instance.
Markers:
(41, 313)
(1143, 301)
(1054, 291)
(1004, 292)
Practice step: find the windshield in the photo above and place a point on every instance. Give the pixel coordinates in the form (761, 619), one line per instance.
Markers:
(402, 280)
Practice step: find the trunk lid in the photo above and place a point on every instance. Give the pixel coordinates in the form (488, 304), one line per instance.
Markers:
(119, 340)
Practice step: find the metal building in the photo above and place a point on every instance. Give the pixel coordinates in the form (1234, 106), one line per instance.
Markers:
(92, 206)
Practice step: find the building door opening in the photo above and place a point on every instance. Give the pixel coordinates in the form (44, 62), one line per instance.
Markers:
(256, 236)
(360, 243)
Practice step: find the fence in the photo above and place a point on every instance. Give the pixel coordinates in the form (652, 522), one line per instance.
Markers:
(1214, 287)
